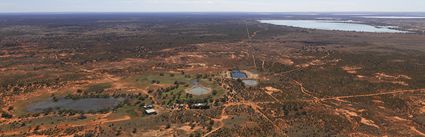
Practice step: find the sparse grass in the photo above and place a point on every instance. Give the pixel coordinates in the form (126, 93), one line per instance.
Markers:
(53, 51)
(146, 80)
(167, 79)
(21, 106)
(98, 88)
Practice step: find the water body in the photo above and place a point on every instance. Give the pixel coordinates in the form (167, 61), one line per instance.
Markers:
(86, 104)
(250, 82)
(236, 74)
(333, 25)
(199, 90)
(393, 17)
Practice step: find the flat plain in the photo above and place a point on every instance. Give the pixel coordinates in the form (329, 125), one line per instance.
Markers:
(307, 82)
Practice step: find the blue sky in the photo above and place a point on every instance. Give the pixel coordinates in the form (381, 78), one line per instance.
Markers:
(209, 5)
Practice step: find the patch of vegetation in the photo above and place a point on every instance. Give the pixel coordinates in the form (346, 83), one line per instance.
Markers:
(97, 88)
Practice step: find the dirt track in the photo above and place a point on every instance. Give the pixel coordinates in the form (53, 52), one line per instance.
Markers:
(374, 94)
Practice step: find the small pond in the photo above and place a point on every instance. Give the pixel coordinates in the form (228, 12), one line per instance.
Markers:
(333, 25)
(199, 90)
(85, 104)
(250, 82)
(236, 74)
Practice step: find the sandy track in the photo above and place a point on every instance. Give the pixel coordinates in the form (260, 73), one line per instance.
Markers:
(374, 94)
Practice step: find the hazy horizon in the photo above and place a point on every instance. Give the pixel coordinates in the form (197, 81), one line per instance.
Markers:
(22, 6)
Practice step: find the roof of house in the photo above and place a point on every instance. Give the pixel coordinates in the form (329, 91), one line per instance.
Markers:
(149, 111)
(200, 104)
(148, 106)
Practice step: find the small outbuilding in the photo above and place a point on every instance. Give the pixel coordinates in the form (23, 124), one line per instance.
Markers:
(148, 107)
(199, 106)
(150, 112)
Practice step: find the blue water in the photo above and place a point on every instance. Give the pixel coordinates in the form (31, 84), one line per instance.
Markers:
(332, 25)
(236, 74)
(86, 104)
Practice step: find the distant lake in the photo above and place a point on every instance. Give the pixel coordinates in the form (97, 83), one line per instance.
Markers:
(393, 17)
(85, 104)
(332, 25)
